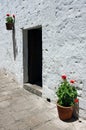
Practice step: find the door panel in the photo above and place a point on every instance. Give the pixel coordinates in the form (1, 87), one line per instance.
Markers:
(35, 55)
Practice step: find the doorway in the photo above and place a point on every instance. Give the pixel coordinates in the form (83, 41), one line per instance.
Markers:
(33, 56)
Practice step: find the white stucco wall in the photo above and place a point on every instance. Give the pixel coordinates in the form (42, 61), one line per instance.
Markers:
(63, 37)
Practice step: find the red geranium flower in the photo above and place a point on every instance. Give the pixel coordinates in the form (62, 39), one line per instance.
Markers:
(76, 100)
(7, 14)
(64, 77)
(72, 81)
(13, 16)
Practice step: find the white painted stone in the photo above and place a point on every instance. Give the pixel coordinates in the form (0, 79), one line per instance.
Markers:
(63, 36)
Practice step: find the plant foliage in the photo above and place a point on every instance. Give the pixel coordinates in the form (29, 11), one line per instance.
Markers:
(66, 93)
(10, 19)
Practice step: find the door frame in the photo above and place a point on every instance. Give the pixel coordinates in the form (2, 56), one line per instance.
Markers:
(25, 53)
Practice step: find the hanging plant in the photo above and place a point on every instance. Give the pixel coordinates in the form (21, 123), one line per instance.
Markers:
(10, 20)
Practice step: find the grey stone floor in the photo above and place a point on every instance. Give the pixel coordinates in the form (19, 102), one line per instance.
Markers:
(22, 110)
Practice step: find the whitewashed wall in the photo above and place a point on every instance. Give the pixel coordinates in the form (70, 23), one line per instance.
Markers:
(64, 41)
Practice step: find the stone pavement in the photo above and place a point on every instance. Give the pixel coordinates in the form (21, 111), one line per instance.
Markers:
(22, 110)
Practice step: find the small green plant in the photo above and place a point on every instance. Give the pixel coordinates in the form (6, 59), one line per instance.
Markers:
(66, 92)
(10, 19)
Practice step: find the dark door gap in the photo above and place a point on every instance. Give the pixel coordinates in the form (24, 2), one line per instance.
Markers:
(35, 56)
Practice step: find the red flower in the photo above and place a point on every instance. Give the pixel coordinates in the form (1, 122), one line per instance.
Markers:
(13, 16)
(64, 77)
(76, 100)
(7, 14)
(72, 81)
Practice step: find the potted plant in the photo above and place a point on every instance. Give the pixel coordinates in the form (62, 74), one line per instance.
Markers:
(66, 94)
(10, 20)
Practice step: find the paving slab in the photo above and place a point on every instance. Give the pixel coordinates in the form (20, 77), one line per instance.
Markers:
(22, 110)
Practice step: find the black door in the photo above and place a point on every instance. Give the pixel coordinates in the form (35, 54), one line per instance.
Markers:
(35, 56)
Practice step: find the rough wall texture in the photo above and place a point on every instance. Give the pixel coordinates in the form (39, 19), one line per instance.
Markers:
(63, 37)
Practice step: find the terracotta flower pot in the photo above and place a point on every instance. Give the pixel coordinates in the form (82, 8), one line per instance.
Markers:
(65, 113)
(9, 26)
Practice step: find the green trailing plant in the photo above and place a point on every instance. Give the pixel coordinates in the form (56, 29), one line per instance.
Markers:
(66, 92)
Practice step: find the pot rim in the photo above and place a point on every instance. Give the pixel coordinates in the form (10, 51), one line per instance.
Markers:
(9, 23)
(63, 106)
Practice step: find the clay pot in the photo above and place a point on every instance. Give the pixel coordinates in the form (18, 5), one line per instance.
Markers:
(9, 26)
(65, 113)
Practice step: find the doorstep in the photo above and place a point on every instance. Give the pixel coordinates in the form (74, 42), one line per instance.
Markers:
(33, 89)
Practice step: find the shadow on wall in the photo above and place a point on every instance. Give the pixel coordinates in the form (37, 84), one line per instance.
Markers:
(15, 49)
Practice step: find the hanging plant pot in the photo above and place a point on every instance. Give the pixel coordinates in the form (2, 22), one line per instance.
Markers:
(9, 26)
